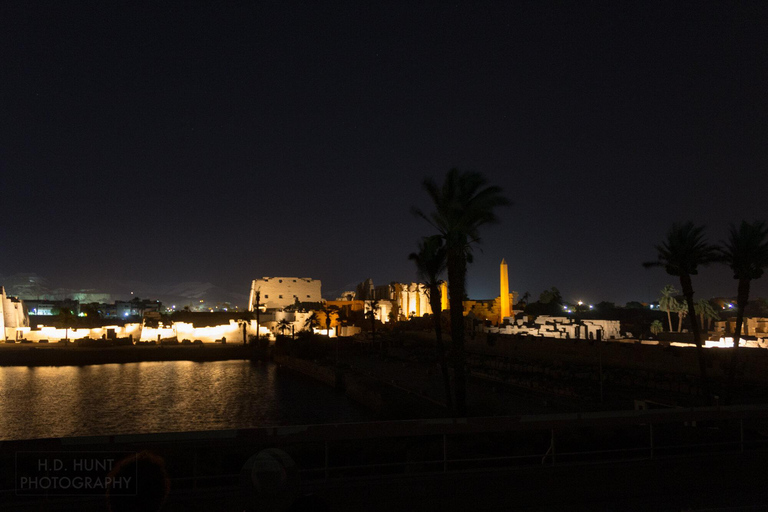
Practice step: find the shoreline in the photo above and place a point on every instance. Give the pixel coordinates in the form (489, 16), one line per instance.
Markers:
(21, 355)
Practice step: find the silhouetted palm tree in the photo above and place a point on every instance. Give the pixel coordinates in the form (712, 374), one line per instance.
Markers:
(311, 322)
(681, 253)
(430, 263)
(668, 303)
(462, 205)
(371, 315)
(706, 313)
(282, 325)
(746, 252)
(681, 310)
(329, 312)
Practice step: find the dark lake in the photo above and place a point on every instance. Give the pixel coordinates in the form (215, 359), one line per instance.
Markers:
(168, 396)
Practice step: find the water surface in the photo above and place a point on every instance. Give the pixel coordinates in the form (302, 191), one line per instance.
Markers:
(166, 396)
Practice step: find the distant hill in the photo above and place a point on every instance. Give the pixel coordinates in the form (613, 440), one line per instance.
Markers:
(189, 293)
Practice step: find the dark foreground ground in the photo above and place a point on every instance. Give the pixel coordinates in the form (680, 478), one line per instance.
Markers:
(718, 472)
(718, 461)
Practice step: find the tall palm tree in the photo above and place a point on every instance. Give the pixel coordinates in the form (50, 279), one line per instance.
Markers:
(371, 315)
(430, 263)
(681, 253)
(462, 205)
(746, 252)
(706, 313)
(331, 313)
(668, 303)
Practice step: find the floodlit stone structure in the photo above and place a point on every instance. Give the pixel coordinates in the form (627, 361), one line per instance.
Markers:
(504, 309)
(13, 315)
(561, 327)
(279, 292)
(404, 300)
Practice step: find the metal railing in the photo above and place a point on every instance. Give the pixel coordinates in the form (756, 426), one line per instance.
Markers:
(375, 449)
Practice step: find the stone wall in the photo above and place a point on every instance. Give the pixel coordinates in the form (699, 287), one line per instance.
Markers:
(627, 354)
(561, 327)
(233, 332)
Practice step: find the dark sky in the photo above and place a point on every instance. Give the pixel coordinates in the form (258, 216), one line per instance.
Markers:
(165, 142)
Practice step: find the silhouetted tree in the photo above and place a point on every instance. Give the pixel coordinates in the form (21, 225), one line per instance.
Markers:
(430, 264)
(681, 253)
(706, 313)
(312, 322)
(66, 319)
(746, 252)
(282, 325)
(682, 310)
(461, 206)
(371, 315)
(668, 303)
(329, 312)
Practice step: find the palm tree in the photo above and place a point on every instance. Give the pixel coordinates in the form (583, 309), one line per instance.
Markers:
(682, 311)
(66, 319)
(430, 263)
(681, 253)
(656, 327)
(311, 322)
(371, 315)
(668, 303)
(706, 313)
(746, 252)
(462, 205)
(282, 325)
(329, 312)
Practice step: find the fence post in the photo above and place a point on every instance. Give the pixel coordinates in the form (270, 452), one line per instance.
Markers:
(194, 471)
(326, 460)
(741, 434)
(552, 443)
(650, 432)
(445, 453)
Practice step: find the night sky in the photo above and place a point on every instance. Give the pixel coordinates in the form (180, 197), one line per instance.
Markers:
(167, 142)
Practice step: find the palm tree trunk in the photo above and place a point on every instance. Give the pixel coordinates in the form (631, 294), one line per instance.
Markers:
(680, 315)
(669, 317)
(434, 300)
(741, 302)
(457, 271)
(687, 286)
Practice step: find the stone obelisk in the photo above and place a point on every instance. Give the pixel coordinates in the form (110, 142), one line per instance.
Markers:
(504, 292)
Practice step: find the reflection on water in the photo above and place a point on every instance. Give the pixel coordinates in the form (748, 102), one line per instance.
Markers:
(161, 397)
